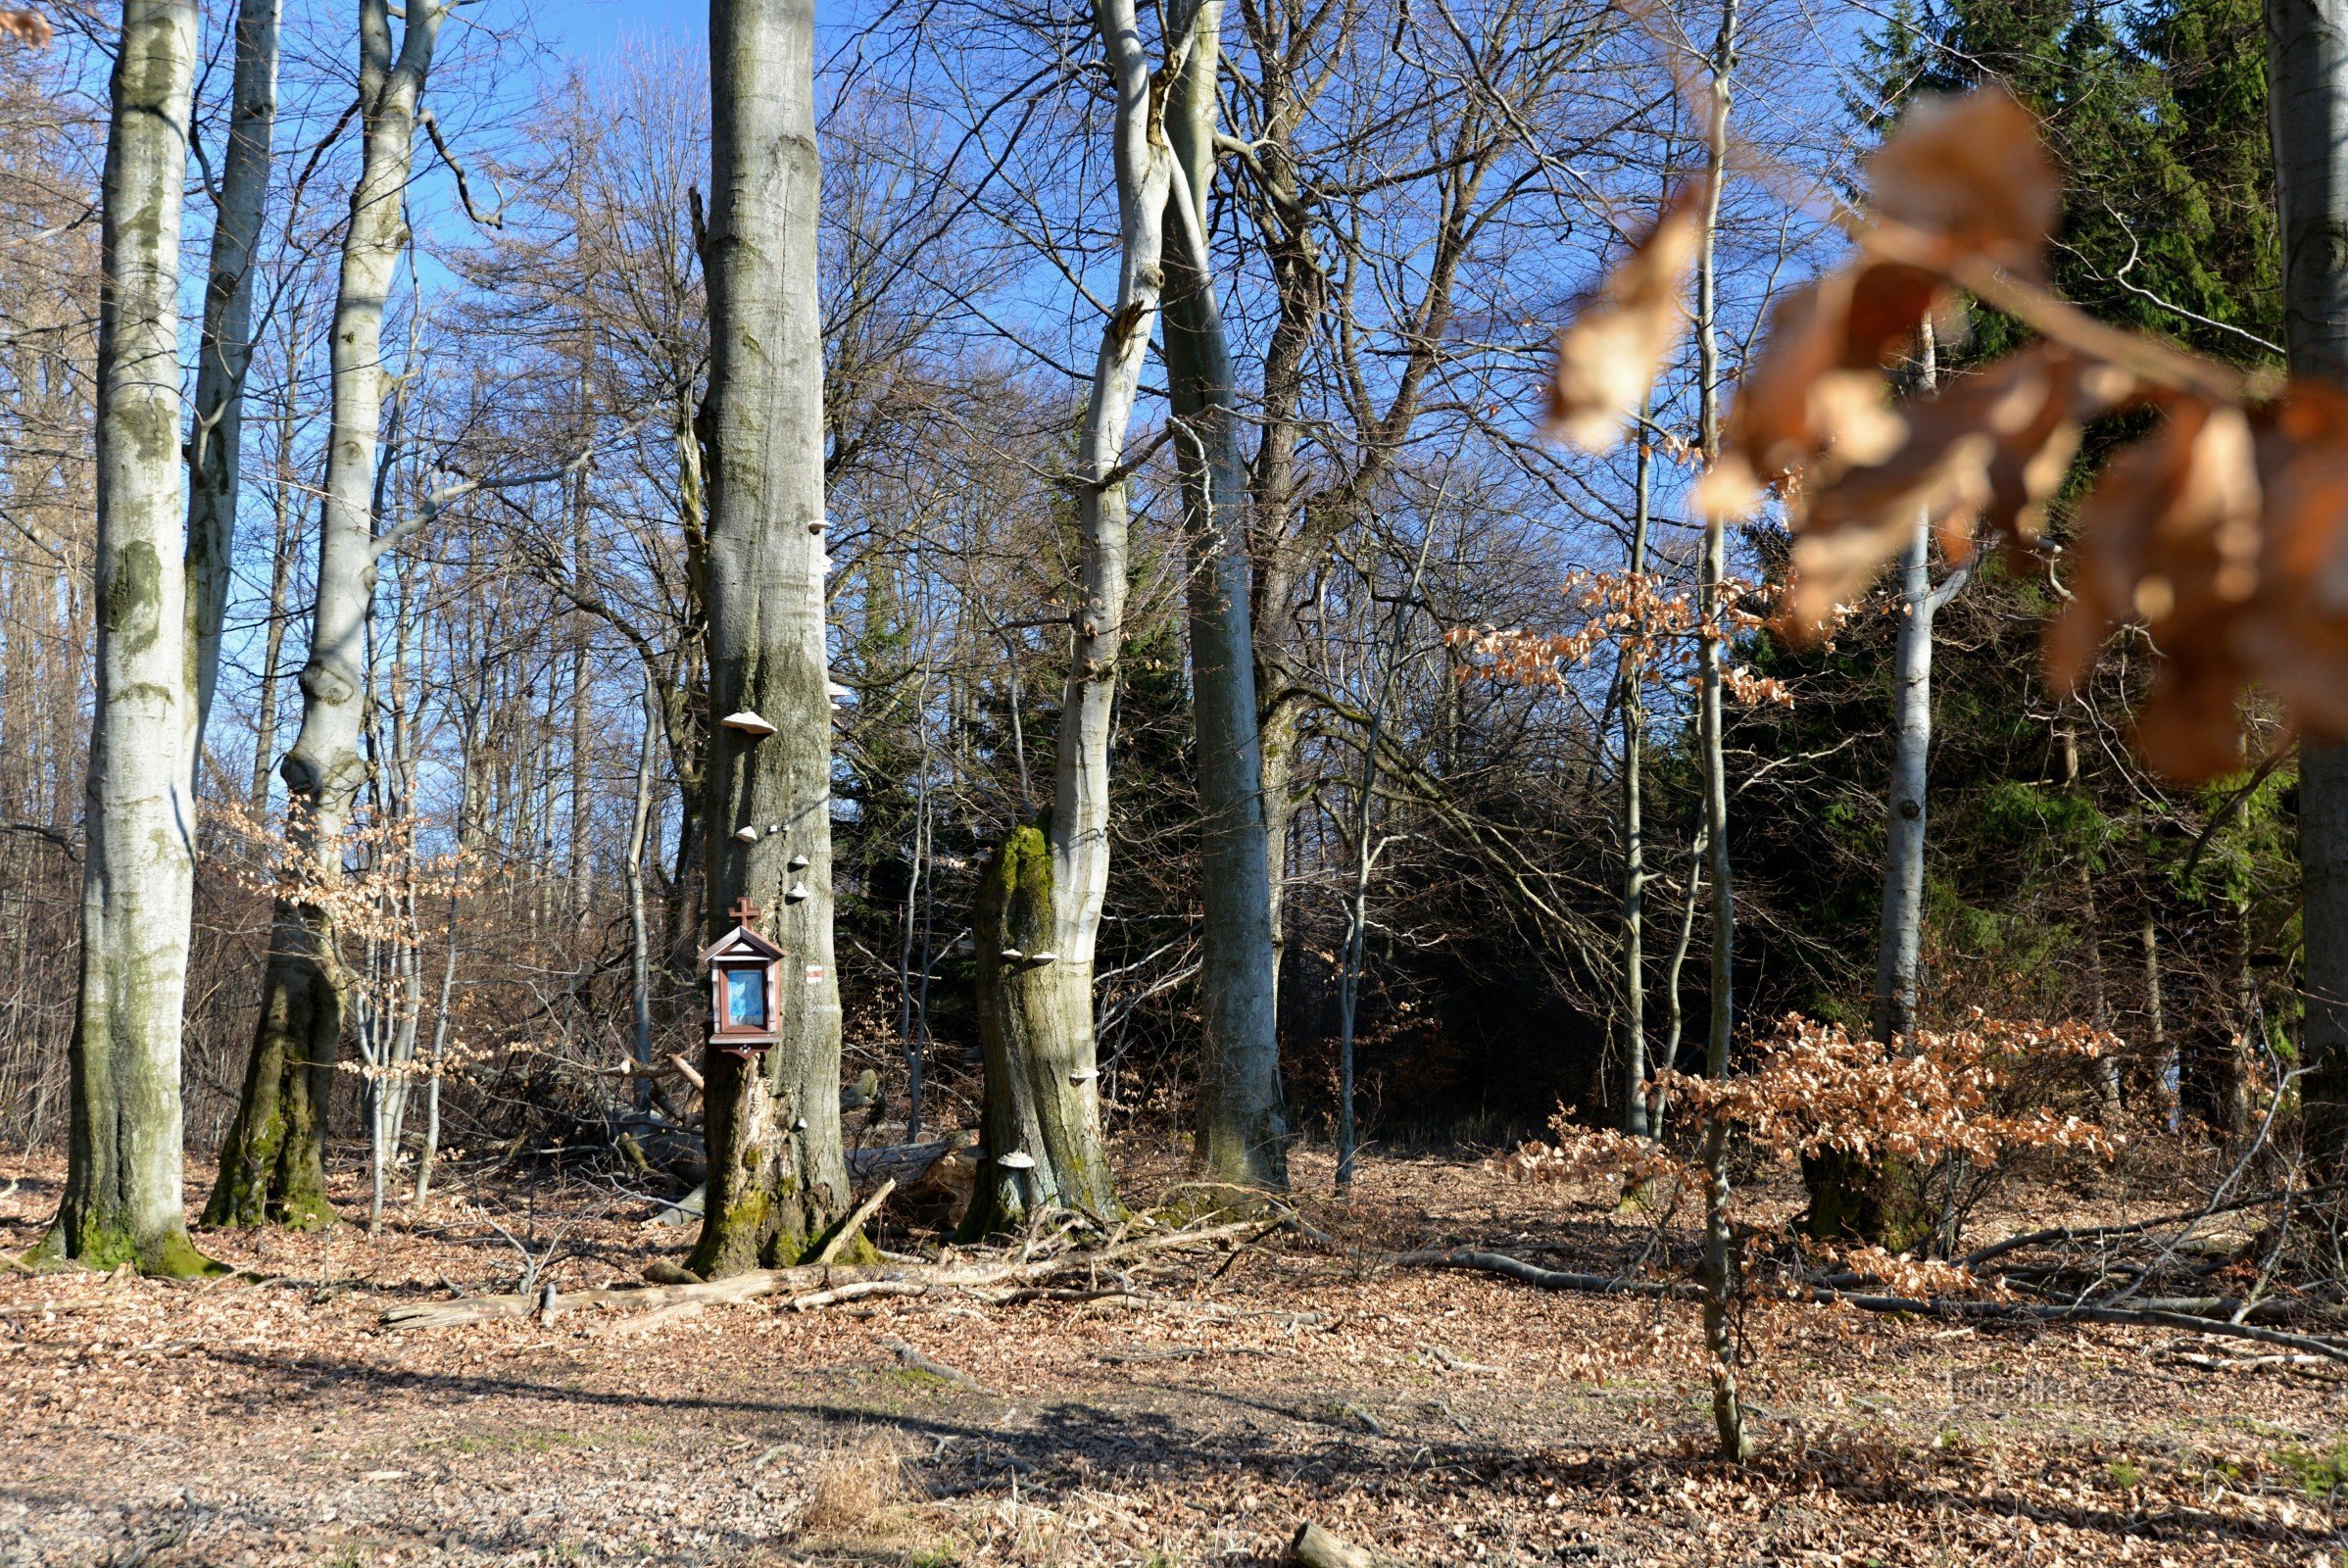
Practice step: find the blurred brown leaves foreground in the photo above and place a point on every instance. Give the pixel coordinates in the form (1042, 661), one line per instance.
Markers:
(2220, 532)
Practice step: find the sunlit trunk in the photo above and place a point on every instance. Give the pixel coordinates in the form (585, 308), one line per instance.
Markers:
(1241, 1120)
(1038, 920)
(273, 1166)
(215, 435)
(777, 1178)
(121, 1202)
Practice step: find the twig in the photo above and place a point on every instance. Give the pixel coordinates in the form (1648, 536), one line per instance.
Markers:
(854, 1222)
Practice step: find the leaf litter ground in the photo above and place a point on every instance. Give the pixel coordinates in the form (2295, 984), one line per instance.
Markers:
(1438, 1417)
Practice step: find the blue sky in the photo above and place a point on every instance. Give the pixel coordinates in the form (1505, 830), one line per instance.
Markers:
(590, 27)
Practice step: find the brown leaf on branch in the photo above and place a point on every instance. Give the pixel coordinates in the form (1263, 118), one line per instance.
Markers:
(2171, 535)
(28, 28)
(1608, 359)
(1969, 172)
(1989, 450)
(2295, 637)
(1816, 400)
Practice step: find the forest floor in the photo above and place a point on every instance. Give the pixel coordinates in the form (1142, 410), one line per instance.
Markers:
(1441, 1417)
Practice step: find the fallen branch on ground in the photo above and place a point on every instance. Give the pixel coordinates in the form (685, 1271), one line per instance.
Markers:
(832, 1283)
(1819, 1296)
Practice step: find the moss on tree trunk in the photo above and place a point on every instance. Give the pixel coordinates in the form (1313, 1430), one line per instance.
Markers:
(1042, 1115)
(273, 1162)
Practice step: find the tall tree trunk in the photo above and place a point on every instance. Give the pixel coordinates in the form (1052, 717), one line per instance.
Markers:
(1852, 1198)
(1719, 1270)
(580, 878)
(639, 976)
(122, 1201)
(272, 651)
(1365, 858)
(1038, 919)
(777, 1177)
(2306, 113)
(272, 1163)
(226, 351)
(1242, 1124)
(1631, 684)
(2107, 1066)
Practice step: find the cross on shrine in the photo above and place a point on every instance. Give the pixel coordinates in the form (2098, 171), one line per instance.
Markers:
(744, 912)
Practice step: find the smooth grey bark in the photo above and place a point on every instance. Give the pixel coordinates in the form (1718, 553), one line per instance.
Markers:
(1900, 922)
(121, 1202)
(777, 1177)
(640, 976)
(272, 652)
(2306, 113)
(215, 435)
(1881, 1201)
(1044, 890)
(1365, 862)
(272, 1161)
(1719, 1269)
(1632, 678)
(1243, 1121)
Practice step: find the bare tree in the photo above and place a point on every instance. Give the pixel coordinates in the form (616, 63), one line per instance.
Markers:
(1037, 921)
(272, 1161)
(122, 1201)
(777, 1176)
(214, 444)
(1242, 1120)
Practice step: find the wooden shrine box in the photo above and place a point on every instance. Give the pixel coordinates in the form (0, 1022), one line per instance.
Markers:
(746, 972)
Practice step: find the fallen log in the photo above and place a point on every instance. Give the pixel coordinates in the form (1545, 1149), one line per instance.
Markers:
(1315, 1548)
(833, 1282)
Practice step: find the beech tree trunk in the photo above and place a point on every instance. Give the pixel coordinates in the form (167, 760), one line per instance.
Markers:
(1852, 1199)
(778, 1179)
(1631, 684)
(1242, 1122)
(1718, 1273)
(273, 1166)
(216, 436)
(2307, 110)
(122, 1201)
(1038, 919)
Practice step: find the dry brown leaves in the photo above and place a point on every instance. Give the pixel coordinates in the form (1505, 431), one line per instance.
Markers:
(2223, 533)
(27, 27)
(195, 1426)
(1814, 1087)
(1610, 357)
(1635, 616)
